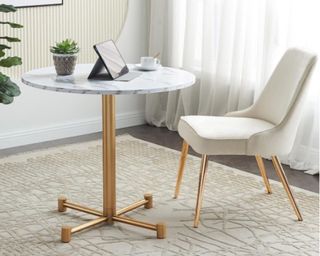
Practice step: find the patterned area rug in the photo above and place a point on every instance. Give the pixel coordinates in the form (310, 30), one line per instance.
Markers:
(238, 218)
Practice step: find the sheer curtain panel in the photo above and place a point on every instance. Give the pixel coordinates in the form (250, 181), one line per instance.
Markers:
(233, 46)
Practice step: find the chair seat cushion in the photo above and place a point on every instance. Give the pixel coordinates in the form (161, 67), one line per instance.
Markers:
(219, 135)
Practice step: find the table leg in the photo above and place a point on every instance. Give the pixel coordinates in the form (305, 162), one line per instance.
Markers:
(109, 213)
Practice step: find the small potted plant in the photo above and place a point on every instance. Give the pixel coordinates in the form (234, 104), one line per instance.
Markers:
(65, 56)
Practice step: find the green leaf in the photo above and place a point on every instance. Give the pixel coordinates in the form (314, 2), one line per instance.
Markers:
(3, 46)
(7, 8)
(10, 61)
(5, 99)
(14, 88)
(11, 24)
(10, 89)
(10, 39)
(3, 78)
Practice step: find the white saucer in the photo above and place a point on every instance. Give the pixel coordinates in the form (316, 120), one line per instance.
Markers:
(156, 67)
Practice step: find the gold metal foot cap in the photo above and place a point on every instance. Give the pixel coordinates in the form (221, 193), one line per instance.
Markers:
(61, 201)
(66, 234)
(149, 198)
(161, 231)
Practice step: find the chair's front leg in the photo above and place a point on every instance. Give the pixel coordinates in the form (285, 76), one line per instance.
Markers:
(263, 173)
(278, 167)
(183, 157)
(203, 171)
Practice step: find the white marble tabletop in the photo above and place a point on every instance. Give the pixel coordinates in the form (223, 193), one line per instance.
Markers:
(163, 80)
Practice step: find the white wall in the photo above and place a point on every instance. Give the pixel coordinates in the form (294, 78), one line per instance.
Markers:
(133, 43)
(39, 115)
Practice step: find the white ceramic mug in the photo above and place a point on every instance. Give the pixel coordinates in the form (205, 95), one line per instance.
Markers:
(149, 62)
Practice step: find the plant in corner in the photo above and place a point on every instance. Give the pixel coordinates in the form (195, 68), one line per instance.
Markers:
(65, 56)
(8, 89)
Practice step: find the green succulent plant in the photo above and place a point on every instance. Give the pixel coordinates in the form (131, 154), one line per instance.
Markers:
(66, 46)
(8, 89)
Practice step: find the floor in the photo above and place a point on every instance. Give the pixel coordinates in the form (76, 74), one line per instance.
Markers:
(164, 137)
(237, 217)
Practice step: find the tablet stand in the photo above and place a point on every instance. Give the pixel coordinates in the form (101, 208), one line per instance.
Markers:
(99, 72)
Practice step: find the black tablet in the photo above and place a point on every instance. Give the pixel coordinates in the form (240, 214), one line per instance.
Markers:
(111, 58)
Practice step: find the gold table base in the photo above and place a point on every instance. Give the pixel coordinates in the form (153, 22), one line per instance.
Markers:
(147, 202)
(109, 213)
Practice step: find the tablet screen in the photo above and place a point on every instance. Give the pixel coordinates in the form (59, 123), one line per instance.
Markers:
(112, 58)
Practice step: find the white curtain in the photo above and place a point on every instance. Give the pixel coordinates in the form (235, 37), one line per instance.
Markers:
(232, 46)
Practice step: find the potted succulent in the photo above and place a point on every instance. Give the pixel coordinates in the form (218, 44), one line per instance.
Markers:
(8, 89)
(65, 56)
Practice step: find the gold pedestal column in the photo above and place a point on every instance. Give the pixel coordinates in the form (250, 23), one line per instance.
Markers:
(109, 157)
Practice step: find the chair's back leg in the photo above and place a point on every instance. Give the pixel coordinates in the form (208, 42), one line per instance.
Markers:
(203, 171)
(263, 173)
(278, 167)
(183, 157)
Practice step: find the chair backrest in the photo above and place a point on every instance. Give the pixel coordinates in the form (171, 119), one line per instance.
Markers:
(284, 86)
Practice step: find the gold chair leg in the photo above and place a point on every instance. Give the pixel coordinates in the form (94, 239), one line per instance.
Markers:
(203, 171)
(278, 167)
(183, 157)
(263, 173)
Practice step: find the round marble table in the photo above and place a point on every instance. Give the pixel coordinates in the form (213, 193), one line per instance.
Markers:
(163, 80)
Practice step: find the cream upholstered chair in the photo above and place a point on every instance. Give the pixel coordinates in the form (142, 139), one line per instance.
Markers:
(265, 129)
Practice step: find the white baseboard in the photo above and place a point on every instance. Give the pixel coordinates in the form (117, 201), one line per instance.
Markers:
(65, 130)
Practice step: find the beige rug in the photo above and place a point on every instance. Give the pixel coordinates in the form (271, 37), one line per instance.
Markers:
(238, 218)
